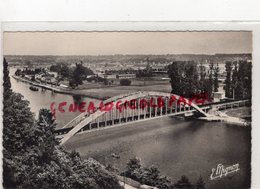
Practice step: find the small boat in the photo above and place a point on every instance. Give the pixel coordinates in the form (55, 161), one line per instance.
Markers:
(33, 88)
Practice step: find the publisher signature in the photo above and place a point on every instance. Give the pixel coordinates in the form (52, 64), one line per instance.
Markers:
(221, 171)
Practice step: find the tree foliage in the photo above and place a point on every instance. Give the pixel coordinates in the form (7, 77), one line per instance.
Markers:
(215, 80)
(125, 82)
(211, 80)
(238, 80)
(62, 69)
(150, 176)
(6, 82)
(188, 79)
(184, 183)
(228, 87)
(80, 73)
(147, 72)
(32, 156)
(200, 184)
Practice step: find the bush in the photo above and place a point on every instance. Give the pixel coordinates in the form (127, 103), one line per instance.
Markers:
(125, 82)
(150, 176)
(184, 182)
(32, 156)
(72, 84)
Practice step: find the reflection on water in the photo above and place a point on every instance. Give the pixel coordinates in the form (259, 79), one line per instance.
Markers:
(43, 99)
(78, 99)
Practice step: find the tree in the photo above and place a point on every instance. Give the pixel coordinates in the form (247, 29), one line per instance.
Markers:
(202, 80)
(65, 71)
(183, 183)
(33, 78)
(191, 79)
(73, 84)
(184, 78)
(46, 126)
(175, 72)
(56, 68)
(210, 81)
(80, 73)
(147, 72)
(18, 72)
(241, 84)
(235, 81)
(132, 165)
(17, 119)
(106, 81)
(32, 156)
(244, 80)
(228, 88)
(248, 81)
(150, 176)
(215, 80)
(200, 184)
(7, 82)
(125, 82)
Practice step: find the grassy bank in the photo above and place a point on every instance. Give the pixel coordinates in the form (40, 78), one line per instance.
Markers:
(103, 92)
(239, 112)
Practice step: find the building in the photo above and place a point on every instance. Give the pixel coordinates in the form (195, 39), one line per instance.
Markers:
(110, 76)
(126, 76)
(218, 96)
(159, 69)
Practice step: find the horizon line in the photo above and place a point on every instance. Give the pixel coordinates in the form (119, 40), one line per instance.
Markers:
(130, 54)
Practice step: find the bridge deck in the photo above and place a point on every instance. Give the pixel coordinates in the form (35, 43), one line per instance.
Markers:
(108, 123)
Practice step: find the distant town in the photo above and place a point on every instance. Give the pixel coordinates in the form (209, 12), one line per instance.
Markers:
(86, 73)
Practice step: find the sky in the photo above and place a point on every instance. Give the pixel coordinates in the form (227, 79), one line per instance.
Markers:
(109, 43)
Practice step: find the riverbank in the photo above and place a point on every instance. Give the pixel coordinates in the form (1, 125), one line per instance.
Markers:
(242, 112)
(238, 116)
(58, 89)
(101, 93)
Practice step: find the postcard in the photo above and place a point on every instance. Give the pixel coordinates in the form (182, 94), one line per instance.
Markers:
(124, 108)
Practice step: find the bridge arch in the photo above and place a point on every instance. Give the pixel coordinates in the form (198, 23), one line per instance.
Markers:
(85, 118)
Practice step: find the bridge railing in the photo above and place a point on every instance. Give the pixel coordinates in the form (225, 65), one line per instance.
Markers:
(93, 121)
(232, 104)
(82, 116)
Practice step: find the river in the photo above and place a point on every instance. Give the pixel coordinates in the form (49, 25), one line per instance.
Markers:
(44, 98)
(176, 147)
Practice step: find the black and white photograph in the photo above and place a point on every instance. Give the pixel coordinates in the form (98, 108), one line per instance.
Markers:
(129, 109)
